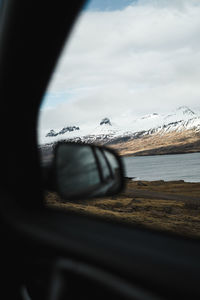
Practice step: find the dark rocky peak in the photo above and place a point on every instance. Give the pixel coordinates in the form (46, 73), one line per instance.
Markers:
(105, 121)
(68, 129)
(65, 129)
(51, 133)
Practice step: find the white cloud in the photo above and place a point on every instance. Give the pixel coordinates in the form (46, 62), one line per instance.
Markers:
(143, 58)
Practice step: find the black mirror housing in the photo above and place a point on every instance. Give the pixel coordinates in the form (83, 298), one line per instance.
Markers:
(84, 171)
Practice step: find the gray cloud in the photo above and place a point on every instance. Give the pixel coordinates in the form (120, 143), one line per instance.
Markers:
(141, 59)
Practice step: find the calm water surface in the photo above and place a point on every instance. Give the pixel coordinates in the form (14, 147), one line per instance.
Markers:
(165, 167)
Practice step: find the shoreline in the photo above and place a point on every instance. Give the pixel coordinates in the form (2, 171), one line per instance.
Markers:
(189, 148)
(135, 179)
(157, 154)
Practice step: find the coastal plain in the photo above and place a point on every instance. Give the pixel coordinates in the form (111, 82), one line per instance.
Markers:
(169, 206)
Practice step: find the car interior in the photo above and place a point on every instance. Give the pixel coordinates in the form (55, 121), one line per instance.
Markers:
(52, 254)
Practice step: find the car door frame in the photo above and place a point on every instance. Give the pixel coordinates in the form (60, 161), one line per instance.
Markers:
(138, 262)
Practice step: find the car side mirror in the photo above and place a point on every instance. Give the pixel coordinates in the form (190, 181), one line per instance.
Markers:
(85, 171)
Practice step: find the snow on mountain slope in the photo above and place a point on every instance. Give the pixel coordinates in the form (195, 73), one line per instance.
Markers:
(183, 118)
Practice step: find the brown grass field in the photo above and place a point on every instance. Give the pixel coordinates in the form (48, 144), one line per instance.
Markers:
(170, 206)
(156, 144)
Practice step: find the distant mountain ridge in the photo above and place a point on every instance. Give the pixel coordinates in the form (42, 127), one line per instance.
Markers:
(64, 130)
(146, 129)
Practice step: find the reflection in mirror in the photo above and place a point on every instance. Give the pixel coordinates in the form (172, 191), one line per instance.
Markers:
(106, 173)
(86, 171)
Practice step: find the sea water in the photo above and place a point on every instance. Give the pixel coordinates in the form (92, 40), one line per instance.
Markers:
(164, 167)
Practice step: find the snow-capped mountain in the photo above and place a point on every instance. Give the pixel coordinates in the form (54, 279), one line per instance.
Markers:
(181, 119)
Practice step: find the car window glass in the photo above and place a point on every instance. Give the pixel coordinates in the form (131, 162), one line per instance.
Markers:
(128, 79)
(77, 162)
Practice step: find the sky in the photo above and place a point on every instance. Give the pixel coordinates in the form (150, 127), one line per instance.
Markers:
(125, 59)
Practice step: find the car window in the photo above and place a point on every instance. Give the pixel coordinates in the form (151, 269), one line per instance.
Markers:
(128, 79)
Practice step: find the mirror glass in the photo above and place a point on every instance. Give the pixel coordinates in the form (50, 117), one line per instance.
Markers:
(86, 171)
